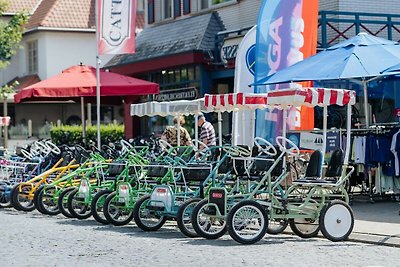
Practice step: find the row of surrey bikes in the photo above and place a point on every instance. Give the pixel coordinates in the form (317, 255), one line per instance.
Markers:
(244, 191)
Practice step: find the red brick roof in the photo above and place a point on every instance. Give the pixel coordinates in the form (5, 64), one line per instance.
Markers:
(63, 14)
(22, 5)
(24, 81)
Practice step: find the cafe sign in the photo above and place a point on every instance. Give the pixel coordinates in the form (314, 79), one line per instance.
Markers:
(177, 94)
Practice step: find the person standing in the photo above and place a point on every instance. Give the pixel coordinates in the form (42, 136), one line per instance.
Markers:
(207, 132)
(170, 133)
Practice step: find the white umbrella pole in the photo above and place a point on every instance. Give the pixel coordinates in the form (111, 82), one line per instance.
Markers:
(348, 133)
(324, 131)
(83, 120)
(97, 80)
(178, 129)
(196, 128)
(253, 127)
(366, 103)
(220, 128)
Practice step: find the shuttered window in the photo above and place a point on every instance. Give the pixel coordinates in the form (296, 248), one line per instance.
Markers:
(177, 8)
(186, 7)
(150, 13)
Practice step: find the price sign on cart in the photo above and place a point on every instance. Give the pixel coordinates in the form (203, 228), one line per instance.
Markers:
(5, 121)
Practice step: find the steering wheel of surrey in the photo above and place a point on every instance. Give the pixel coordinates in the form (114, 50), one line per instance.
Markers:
(26, 154)
(196, 147)
(165, 146)
(126, 146)
(53, 148)
(267, 150)
(236, 151)
(39, 147)
(293, 150)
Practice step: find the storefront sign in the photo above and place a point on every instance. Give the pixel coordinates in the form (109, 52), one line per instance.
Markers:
(177, 94)
(314, 141)
(229, 49)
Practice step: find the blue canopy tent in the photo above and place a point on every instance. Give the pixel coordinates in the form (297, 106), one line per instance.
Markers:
(393, 70)
(362, 56)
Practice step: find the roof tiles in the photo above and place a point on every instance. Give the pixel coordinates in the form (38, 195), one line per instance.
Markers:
(195, 33)
(22, 5)
(77, 14)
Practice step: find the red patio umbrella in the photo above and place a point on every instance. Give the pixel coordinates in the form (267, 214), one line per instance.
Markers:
(79, 82)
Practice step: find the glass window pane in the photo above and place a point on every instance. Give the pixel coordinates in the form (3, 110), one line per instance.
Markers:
(184, 74)
(191, 73)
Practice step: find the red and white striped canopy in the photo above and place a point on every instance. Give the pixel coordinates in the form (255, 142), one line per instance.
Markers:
(283, 98)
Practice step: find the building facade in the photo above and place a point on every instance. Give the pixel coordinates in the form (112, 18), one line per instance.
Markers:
(58, 35)
(188, 61)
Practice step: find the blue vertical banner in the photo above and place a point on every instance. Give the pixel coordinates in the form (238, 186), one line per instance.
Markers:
(286, 34)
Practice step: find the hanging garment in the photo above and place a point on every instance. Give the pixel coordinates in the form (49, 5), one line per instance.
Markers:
(359, 149)
(393, 149)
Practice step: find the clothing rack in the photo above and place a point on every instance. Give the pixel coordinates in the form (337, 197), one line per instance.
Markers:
(368, 169)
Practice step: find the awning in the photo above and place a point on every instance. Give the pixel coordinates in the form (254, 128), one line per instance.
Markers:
(283, 98)
(80, 81)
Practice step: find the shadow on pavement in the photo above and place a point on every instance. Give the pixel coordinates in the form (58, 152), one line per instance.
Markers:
(387, 212)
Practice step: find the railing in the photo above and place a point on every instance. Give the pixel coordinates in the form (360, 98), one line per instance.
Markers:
(333, 27)
(336, 26)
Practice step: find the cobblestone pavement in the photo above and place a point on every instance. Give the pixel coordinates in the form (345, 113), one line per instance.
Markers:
(33, 239)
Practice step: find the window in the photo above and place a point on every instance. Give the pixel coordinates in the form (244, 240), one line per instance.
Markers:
(150, 13)
(204, 4)
(166, 9)
(140, 5)
(186, 7)
(32, 57)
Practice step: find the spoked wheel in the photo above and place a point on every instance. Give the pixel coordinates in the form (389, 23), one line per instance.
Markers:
(47, 200)
(63, 202)
(183, 217)
(117, 212)
(36, 199)
(247, 222)
(147, 219)
(20, 198)
(305, 228)
(78, 206)
(277, 226)
(205, 225)
(97, 206)
(5, 196)
(336, 220)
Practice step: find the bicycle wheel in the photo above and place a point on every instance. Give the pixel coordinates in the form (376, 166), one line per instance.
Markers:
(63, 202)
(305, 228)
(277, 226)
(247, 222)
(117, 212)
(5, 196)
(183, 217)
(336, 220)
(97, 206)
(47, 200)
(78, 207)
(205, 225)
(145, 218)
(20, 197)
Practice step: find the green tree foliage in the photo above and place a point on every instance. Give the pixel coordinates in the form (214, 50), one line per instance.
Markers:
(10, 34)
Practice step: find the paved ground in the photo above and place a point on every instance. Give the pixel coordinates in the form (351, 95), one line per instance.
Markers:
(377, 223)
(32, 239)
